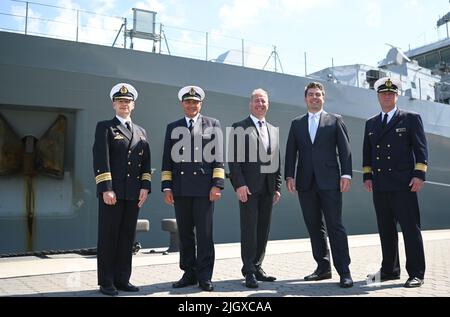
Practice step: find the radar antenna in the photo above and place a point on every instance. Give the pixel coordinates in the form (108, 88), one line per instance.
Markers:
(276, 59)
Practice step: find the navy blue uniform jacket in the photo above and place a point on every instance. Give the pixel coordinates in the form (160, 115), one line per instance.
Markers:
(195, 175)
(391, 157)
(121, 159)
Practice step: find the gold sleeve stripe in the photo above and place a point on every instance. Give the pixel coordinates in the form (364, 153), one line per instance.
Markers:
(166, 176)
(421, 167)
(367, 169)
(146, 177)
(218, 173)
(103, 178)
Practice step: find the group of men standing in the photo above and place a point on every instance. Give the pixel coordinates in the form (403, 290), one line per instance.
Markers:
(318, 166)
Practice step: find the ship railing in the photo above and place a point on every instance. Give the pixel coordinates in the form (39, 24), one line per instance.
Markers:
(75, 24)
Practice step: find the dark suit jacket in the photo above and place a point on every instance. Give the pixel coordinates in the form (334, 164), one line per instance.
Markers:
(391, 157)
(318, 159)
(121, 159)
(195, 175)
(249, 173)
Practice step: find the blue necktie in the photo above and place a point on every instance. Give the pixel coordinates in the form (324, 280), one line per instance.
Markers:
(312, 127)
(384, 122)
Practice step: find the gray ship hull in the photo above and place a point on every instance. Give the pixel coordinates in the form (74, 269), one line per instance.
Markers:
(45, 77)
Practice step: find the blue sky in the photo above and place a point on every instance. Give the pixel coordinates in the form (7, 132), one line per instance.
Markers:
(349, 31)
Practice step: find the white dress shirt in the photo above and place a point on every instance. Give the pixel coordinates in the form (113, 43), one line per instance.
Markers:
(262, 130)
(194, 118)
(390, 114)
(122, 121)
(313, 126)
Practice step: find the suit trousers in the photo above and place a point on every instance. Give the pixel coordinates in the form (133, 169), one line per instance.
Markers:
(402, 207)
(322, 212)
(255, 219)
(116, 233)
(196, 212)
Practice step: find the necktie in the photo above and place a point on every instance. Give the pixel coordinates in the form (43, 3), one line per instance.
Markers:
(384, 122)
(191, 124)
(128, 125)
(312, 127)
(263, 134)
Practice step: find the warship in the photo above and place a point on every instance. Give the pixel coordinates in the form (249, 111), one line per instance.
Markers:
(54, 91)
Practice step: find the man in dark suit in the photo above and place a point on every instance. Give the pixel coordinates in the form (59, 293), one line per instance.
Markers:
(122, 173)
(394, 164)
(257, 184)
(314, 139)
(192, 179)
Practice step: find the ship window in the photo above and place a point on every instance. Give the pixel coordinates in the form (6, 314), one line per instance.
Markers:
(413, 85)
(421, 60)
(445, 55)
(432, 60)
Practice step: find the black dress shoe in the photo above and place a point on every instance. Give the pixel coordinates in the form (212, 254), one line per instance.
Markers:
(206, 286)
(382, 277)
(346, 281)
(109, 290)
(262, 276)
(317, 276)
(185, 281)
(127, 287)
(413, 282)
(251, 281)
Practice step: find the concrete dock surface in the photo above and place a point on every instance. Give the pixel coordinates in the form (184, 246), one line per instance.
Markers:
(73, 275)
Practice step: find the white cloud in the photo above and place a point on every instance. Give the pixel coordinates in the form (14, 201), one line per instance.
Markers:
(101, 30)
(300, 6)
(176, 18)
(102, 6)
(239, 18)
(67, 4)
(172, 23)
(241, 14)
(152, 5)
(33, 23)
(414, 10)
(64, 24)
(189, 44)
(413, 4)
(61, 22)
(373, 13)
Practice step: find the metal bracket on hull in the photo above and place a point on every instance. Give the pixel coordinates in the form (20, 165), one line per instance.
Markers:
(31, 155)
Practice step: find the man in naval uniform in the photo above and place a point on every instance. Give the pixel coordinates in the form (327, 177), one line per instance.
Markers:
(394, 165)
(192, 181)
(122, 173)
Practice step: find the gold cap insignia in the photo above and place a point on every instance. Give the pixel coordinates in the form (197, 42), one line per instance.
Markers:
(388, 83)
(192, 91)
(123, 90)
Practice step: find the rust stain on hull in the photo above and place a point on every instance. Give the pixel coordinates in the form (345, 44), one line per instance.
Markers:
(29, 204)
